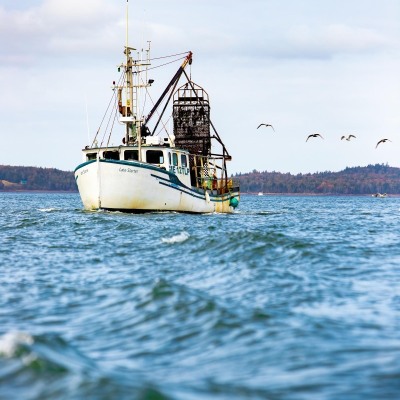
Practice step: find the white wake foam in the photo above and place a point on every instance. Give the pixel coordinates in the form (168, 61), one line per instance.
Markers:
(10, 342)
(181, 237)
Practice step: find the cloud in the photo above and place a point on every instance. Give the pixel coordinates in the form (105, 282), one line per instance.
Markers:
(60, 31)
(76, 12)
(331, 40)
(304, 41)
(54, 28)
(308, 42)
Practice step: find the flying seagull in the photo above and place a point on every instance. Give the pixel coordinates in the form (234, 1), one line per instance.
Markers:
(314, 135)
(266, 125)
(348, 137)
(382, 141)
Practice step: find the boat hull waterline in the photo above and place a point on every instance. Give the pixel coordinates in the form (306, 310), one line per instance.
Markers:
(138, 187)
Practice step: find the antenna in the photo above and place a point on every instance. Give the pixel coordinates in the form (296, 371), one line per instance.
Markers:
(87, 119)
(127, 10)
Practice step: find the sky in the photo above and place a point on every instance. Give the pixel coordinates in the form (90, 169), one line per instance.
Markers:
(304, 66)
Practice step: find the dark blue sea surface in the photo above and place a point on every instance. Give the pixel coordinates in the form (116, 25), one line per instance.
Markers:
(290, 297)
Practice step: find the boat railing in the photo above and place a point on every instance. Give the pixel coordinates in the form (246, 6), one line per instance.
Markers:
(220, 185)
(234, 185)
(209, 173)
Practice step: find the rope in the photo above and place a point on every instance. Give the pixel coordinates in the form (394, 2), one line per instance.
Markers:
(172, 55)
(121, 82)
(112, 127)
(145, 98)
(122, 77)
(162, 65)
(108, 123)
(163, 127)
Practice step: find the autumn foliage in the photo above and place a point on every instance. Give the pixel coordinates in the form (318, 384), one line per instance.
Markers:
(371, 179)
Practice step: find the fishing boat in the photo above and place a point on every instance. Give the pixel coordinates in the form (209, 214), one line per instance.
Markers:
(155, 169)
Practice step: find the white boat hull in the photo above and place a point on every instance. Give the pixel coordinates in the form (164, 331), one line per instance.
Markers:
(137, 187)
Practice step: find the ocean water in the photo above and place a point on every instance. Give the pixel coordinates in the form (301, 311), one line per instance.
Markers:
(290, 297)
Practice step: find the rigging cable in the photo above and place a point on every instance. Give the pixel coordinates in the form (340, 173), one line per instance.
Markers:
(122, 77)
(112, 126)
(162, 65)
(164, 127)
(145, 98)
(172, 55)
(108, 123)
(158, 114)
(104, 116)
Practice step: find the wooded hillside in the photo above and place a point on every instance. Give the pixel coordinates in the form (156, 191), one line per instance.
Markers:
(33, 178)
(372, 179)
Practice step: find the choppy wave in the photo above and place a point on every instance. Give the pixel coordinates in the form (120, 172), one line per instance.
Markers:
(290, 298)
(179, 238)
(11, 342)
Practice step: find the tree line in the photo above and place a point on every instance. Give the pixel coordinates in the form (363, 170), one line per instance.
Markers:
(34, 178)
(379, 178)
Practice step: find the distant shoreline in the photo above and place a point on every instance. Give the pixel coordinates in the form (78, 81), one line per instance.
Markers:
(316, 194)
(242, 193)
(37, 191)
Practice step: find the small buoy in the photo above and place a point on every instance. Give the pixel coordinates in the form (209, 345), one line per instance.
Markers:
(233, 202)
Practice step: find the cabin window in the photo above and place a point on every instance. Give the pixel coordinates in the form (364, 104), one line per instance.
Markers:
(183, 160)
(111, 155)
(175, 159)
(91, 156)
(154, 157)
(169, 158)
(131, 155)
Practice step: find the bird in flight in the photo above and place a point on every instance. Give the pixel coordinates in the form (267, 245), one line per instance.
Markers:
(382, 141)
(348, 137)
(266, 125)
(314, 135)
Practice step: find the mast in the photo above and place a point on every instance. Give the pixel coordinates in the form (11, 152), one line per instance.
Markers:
(128, 104)
(129, 96)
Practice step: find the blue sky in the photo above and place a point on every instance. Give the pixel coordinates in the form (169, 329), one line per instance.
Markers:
(304, 66)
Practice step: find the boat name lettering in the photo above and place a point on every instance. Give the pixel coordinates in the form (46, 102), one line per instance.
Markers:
(84, 171)
(179, 170)
(132, 171)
